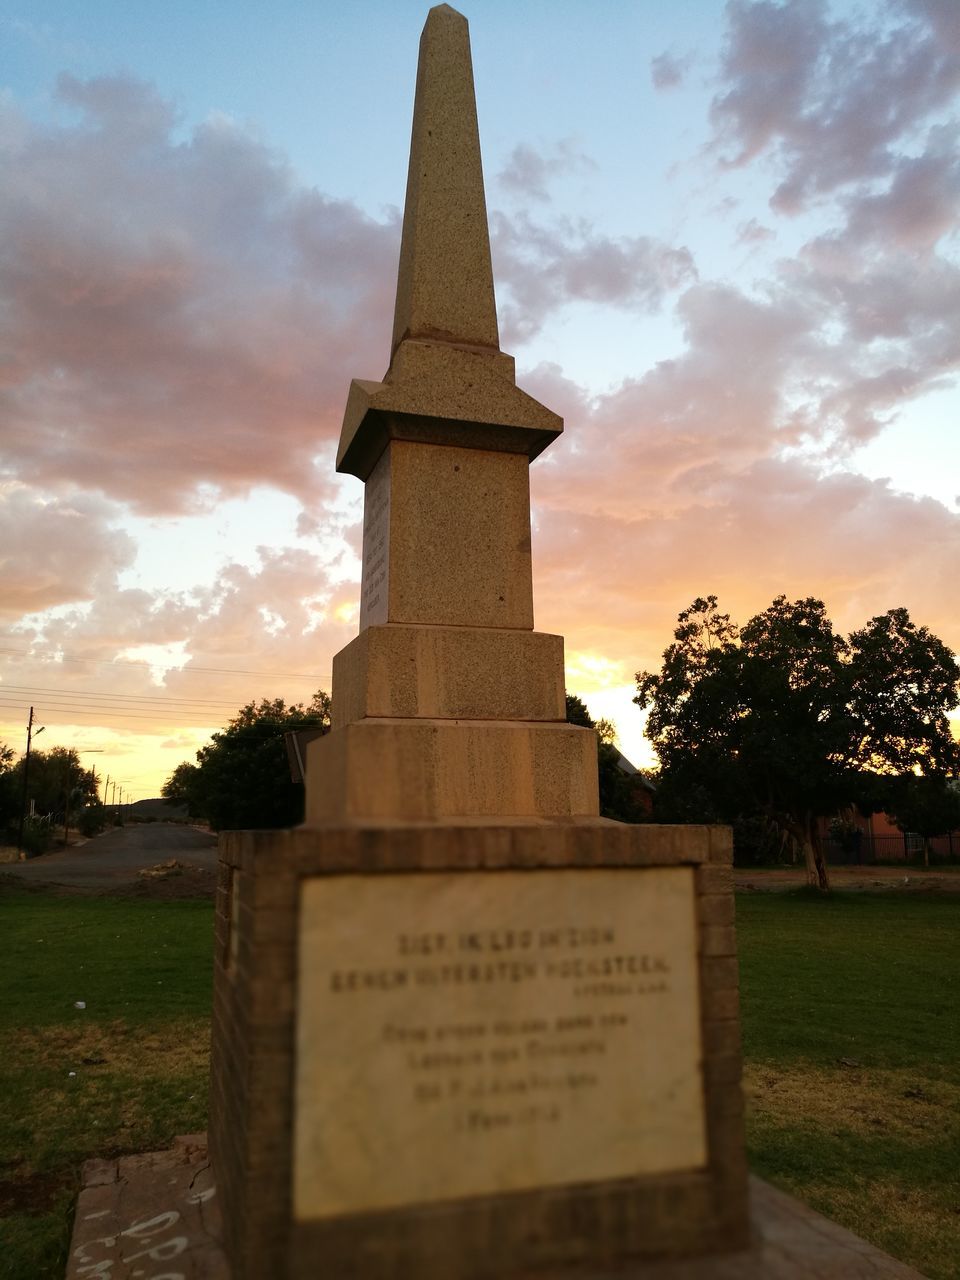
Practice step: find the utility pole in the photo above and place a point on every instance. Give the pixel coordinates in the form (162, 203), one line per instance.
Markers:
(26, 771)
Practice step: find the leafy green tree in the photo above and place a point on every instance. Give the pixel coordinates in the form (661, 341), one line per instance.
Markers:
(786, 719)
(242, 778)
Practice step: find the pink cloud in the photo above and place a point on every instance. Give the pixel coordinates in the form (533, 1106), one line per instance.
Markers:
(55, 550)
(70, 659)
(921, 202)
(544, 268)
(190, 328)
(177, 313)
(830, 100)
(529, 171)
(747, 533)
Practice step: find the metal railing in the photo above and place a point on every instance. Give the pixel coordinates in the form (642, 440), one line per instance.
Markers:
(905, 848)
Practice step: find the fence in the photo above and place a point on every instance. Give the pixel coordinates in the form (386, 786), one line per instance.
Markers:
(906, 848)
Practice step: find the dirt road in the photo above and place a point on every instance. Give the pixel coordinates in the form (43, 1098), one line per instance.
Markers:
(112, 862)
(116, 857)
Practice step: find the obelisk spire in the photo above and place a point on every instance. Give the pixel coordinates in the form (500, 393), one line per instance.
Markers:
(448, 382)
(445, 281)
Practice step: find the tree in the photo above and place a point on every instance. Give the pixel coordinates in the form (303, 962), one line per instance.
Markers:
(926, 806)
(242, 778)
(182, 788)
(617, 795)
(789, 720)
(58, 783)
(8, 795)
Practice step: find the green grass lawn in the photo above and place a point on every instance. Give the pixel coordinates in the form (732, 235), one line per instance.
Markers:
(851, 1020)
(851, 1034)
(126, 1073)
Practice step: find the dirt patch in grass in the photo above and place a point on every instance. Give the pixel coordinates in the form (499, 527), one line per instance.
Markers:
(36, 1193)
(170, 884)
(905, 879)
(874, 1149)
(115, 1046)
(187, 881)
(851, 1099)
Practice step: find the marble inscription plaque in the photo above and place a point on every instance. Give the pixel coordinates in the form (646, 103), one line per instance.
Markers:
(376, 544)
(472, 1033)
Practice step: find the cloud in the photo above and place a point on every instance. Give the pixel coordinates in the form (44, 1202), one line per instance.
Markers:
(57, 549)
(528, 172)
(920, 203)
(716, 470)
(545, 268)
(752, 232)
(830, 100)
(747, 532)
(722, 399)
(188, 332)
(70, 658)
(667, 71)
(176, 313)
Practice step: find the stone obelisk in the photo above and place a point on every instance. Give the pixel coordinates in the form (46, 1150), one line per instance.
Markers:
(448, 704)
(463, 1026)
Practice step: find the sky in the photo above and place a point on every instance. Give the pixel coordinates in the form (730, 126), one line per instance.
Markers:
(725, 249)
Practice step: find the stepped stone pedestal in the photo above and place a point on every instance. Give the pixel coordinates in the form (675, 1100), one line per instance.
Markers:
(464, 1027)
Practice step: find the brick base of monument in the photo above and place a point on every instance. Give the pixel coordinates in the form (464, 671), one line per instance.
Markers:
(288, 1206)
(163, 1206)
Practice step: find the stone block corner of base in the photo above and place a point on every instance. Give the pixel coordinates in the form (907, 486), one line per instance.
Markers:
(721, 845)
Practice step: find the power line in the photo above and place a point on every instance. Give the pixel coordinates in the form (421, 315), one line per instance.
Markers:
(148, 714)
(119, 697)
(58, 715)
(187, 668)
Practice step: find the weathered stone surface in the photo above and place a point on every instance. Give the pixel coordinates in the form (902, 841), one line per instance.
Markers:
(449, 673)
(149, 1215)
(448, 381)
(445, 214)
(423, 770)
(436, 393)
(789, 1240)
(447, 539)
(466, 1034)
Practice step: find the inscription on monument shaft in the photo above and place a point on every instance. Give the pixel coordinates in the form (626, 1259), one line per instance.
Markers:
(471, 1033)
(376, 544)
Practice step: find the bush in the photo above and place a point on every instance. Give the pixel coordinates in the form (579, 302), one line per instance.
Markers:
(37, 836)
(91, 820)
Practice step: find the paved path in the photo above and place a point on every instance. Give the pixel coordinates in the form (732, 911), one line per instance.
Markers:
(116, 856)
(160, 1211)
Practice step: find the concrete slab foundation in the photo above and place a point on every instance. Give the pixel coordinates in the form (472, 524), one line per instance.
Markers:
(159, 1210)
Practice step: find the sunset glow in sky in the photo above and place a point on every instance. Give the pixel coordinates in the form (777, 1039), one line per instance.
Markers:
(725, 248)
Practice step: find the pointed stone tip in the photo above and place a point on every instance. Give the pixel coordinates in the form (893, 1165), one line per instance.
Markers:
(445, 280)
